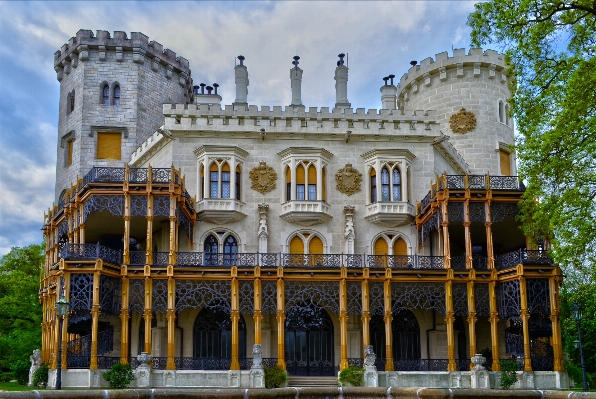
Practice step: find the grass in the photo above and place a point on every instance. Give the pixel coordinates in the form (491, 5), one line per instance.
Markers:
(14, 386)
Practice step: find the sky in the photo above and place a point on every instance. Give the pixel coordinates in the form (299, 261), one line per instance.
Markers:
(380, 38)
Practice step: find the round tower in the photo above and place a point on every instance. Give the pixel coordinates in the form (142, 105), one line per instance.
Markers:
(112, 91)
(469, 93)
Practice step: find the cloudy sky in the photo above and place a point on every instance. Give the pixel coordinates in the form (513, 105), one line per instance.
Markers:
(381, 38)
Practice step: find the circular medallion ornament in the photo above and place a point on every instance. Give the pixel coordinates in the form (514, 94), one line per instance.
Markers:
(348, 180)
(263, 178)
(462, 122)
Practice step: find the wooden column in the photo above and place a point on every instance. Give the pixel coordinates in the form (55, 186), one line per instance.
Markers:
(55, 336)
(343, 322)
(525, 317)
(94, 320)
(472, 318)
(126, 243)
(365, 315)
(449, 319)
(494, 321)
(281, 325)
(257, 317)
(555, 318)
(171, 318)
(235, 364)
(490, 253)
(467, 234)
(149, 239)
(66, 291)
(124, 316)
(445, 226)
(147, 315)
(388, 319)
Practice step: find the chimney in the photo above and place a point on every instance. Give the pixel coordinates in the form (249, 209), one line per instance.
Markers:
(341, 84)
(241, 74)
(296, 83)
(389, 93)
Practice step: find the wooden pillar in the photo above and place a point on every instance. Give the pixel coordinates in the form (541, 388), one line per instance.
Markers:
(490, 253)
(257, 317)
(281, 325)
(555, 318)
(388, 319)
(445, 225)
(365, 315)
(147, 315)
(449, 319)
(126, 243)
(525, 317)
(343, 322)
(66, 290)
(124, 316)
(467, 235)
(171, 318)
(472, 318)
(235, 364)
(82, 233)
(94, 320)
(55, 336)
(494, 322)
(149, 239)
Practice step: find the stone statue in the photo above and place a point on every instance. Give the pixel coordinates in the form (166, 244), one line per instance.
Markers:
(35, 359)
(369, 356)
(257, 355)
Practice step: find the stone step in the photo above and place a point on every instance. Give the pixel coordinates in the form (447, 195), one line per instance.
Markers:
(306, 381)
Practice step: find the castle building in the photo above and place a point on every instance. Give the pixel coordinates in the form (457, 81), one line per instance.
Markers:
(193, 230)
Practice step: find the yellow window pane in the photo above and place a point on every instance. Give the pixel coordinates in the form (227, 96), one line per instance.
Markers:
(214, 167)
(400, 247)
(69, 155)
(109, 146)
(315, 246)
(505, 161)
(381, 247)
(324, 190)
(296, 246)
(312, 175)
(300, 174)
(225, 167)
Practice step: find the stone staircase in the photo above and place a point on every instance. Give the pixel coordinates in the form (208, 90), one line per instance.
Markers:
(305, 381)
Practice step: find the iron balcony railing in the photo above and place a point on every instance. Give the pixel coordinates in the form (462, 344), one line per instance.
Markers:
(203, 363)
(478, 262)
(415, 364)
(135, 175)
(91, 252)
(524, 257)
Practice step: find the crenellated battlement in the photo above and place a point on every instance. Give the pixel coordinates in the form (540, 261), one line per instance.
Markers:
(421, 74)
(78, 46)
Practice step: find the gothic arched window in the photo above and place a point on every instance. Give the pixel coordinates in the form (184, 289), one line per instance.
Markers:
(116, 100)
(230, 250)
(211, 247)
(105, 97)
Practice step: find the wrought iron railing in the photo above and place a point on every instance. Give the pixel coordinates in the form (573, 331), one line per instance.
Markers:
(137, 258)
(522, 256)
(78, 351)
(478, 262)
(105, 175)
(161, 175)
(105, 362)
(462, 364)
(405, 261)
(91, 252)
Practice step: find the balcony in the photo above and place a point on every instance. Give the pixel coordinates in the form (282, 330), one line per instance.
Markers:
(524, 257)
(220, 210)
(305, 213)
(390, 214)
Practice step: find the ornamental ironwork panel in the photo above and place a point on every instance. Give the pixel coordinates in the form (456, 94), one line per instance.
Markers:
(460, 299)
(538, 296)
(455, 182)
(247, 259)
(99, 174)
(477, 212)
(159, 300)
(269, 260)
(431, 224)
(481, 299)
(161, 205)
(535, 257)
(105, 362)
(477, 182)
(63, 230)
(138, 205)
(247, 295)
(354, 298)
(105, 340)
(458, 262)
(425, 201)
(320, 294)
(189, 259)
(196, 294)
(81, 297)
(137, 258)
(455, 212)
(161, 175)
(376, 299)
(354, 260)
(508, 299)
(99, 203)
(500, 212)
(110, 298)
(136, 296)
(137, 175)
(268, 297)
(507, 260)
(184, 222)
(161, 258)
(505, 183)
(424, 296)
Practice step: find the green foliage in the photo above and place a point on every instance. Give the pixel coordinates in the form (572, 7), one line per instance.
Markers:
(40, 376)
(275, 377)
(20, 311)
(508, 373)
(21, 371)
(6, 378)
(550, 47)
(119, 376)
(353, 375)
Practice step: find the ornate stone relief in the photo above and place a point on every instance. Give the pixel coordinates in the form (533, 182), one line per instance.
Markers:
(348, 180)
(462, 122)
(263, 178)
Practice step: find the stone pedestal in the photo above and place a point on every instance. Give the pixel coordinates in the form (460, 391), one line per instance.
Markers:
(479, 375)
(169, 378)
(257, 374)
(234, 378)
(143, 371)
(371, 377)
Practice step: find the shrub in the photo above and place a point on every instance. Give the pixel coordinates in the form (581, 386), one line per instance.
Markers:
(575, 373)
(40, 376)
(119, 376)
(275, 377)
(353, 375)
(20, 369)
(6, 378)
(508, 373)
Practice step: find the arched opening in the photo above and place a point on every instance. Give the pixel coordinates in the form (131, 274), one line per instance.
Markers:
(230, 250)
(381, 250)
(373, 185)
(296, 257)
(316, 250)
(400, 247)
(201, 182)
(210, 249)
(385, 184)
(105, 97)
(300, 183)
(323, 190)
(238, 174)
(116, 100)
(288, 184)
(406, 340)
(309, 341)
(396, 184)
(225, 181)
(214, 181)
(212, 339)
(312, 183)
(501, 112)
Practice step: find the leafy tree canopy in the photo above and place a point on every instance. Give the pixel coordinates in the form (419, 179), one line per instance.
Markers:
(550, 48)
(20, 311)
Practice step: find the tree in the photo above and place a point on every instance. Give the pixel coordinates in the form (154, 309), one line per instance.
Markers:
(20, 311)
(550, 48)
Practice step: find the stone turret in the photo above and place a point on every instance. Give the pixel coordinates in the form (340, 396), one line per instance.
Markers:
(296, 79)
(241, 73)
(389, 93)
(341, 84)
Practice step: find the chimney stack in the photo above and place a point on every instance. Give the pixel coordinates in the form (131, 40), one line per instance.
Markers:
(241, 74)
(296, 83)
(341, 84)
(389, 93)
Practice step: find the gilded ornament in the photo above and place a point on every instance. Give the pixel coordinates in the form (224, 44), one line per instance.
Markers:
(348, 180)
(263, 178)
(462, 122)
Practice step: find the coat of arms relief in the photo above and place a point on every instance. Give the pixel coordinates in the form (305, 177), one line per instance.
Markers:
(348, 180)
(263, 178)
(462, 122)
